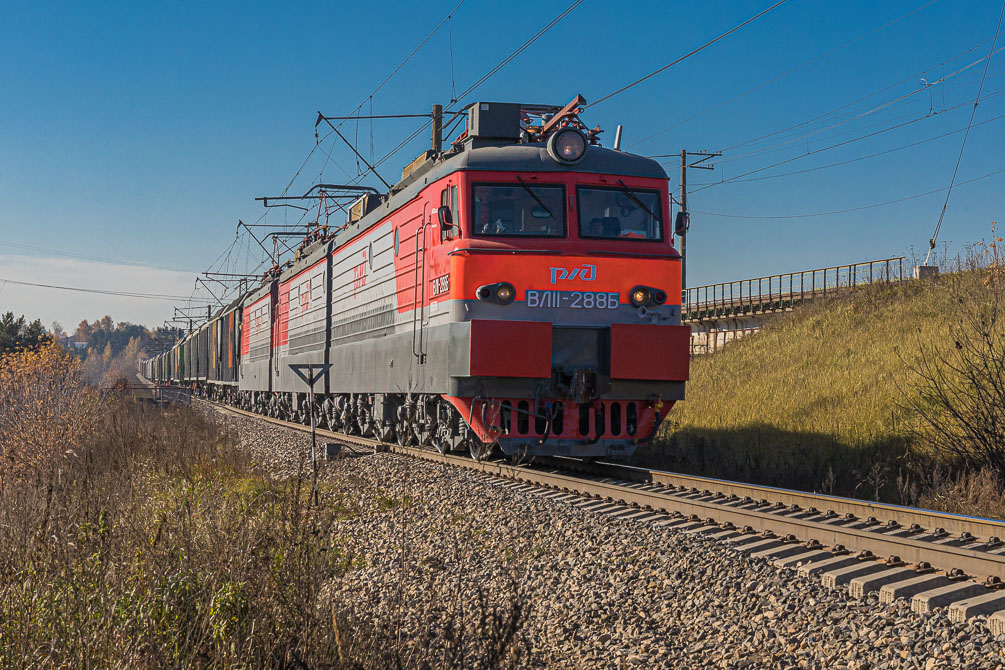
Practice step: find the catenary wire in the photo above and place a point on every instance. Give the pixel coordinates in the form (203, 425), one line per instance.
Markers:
(914, 116)
(124, 294)
(372, 93)
(784, 74)
(687, 55)
(882, 106)
(953, 105)
(889, 106)
(963, 145)
(844, 211)
(358, 107)
(819, 117)
(467, 91)
(505, 61)
(740, 177)
(862, 158)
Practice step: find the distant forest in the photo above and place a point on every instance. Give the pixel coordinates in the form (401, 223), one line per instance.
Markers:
(107, 349)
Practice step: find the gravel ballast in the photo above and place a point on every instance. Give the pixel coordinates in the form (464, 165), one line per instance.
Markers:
(430, 544)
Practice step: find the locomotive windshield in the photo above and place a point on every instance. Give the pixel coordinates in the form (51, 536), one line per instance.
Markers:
(619, 214)
(519, 210)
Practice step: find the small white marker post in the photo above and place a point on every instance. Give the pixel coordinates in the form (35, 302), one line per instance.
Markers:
(306, 372)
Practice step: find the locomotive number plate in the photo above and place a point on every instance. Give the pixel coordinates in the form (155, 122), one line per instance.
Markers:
(441, 285)
(573, 299)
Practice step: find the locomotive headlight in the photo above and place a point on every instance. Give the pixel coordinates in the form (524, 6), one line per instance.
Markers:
(639, 296)
(502, 293)
(505, 293)
(659, 296)
(567, 146)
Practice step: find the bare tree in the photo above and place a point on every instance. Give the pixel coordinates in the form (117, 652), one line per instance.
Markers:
(960, 392)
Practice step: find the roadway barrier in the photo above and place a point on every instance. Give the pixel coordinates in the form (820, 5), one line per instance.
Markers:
(781, 292)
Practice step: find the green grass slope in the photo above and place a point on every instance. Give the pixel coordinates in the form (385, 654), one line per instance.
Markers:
(815, 400)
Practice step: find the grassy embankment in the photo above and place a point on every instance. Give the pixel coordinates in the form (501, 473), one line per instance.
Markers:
(821, 398)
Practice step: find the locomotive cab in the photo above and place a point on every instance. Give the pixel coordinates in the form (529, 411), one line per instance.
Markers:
(566, 288)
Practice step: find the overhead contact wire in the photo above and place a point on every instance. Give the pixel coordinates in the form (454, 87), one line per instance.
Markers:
(859, 158)
(124, 294)
(505, 61)
(856, 101)
(963, 145)
(687, 55)
(785, 74)
(845, 211)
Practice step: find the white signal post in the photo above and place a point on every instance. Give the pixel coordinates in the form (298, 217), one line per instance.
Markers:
(310, 373)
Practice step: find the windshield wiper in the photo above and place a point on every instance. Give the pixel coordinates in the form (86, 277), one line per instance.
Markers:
(543, 206)
(635, 198)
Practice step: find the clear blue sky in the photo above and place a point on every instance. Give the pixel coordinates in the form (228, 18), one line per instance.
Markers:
(143, 131)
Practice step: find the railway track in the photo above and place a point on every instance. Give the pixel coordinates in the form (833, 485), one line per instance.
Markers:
(932, 559)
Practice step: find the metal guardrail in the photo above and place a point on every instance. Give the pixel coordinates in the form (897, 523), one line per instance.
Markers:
(773, 293)
(172, 395)
(161, 395)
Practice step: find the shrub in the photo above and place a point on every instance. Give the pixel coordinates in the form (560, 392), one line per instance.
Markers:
(45, 410)
(959, 393)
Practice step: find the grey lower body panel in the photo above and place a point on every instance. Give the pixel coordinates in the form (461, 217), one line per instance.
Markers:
(392, 364)
(256, 375)
(286, 380)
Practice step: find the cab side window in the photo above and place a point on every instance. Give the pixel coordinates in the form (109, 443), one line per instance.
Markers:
(456, 211)
(448, 199)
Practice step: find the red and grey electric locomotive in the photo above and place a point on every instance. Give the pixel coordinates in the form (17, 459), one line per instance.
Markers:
(518, 290)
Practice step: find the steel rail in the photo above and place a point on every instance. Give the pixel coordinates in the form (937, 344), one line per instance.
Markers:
(921, 545)
(954, 524)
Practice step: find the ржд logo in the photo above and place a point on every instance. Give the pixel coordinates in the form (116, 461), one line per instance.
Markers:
(587, 273)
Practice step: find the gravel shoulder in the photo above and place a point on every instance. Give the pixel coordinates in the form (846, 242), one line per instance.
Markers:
(434, 551)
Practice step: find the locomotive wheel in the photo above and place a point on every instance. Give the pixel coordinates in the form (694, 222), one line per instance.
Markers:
(403, 434)
(445, 440)
(328, 415)
(349, 426)
(478, 449)
(366, 428)
(385, 432)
